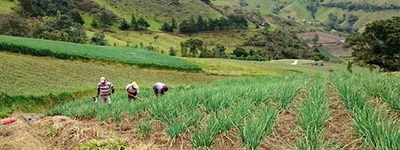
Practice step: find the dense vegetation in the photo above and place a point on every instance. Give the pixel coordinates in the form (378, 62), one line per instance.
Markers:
(378, 44)
(351, 6)
(192, 26)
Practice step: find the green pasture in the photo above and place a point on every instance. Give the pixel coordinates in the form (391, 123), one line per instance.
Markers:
(332, 58)
(134, 56)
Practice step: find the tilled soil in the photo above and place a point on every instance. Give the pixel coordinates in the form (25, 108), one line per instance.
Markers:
(341, 133)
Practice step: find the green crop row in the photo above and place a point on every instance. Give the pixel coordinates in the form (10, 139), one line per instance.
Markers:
(378, 131)
(385, 87)
(314, 114)
(71, 51)
(209, 109)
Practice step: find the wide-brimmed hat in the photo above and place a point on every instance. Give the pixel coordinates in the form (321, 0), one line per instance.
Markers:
(134, 85)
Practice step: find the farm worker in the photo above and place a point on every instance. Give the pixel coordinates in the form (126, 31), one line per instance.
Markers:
(159, 88)
(103, 89)
(133, 91)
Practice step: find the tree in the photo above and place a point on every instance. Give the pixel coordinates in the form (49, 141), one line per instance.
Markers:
(316, 38)
(166, 27)
(173, 24)
(99, 39)
(105, 19)
(124, 25)
(134, 23)
(378, 44)
(200, 24)
(240, 52)
(76, 17)
(143, 24)
(94, 23)
(13, 24)
(172, 52)
(194, 46)
(206, 1)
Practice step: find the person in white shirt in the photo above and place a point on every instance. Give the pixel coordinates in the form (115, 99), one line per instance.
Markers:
(133, 91)
(159, 88)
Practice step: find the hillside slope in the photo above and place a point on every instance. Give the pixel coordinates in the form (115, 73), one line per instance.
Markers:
(297, 10)
(159, 11)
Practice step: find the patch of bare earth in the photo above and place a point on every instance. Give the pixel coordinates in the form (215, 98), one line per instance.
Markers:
(338, 50)
(340, 129)
(228, 140)
(286, 130)
(64, 133)
(322, 37)
(330, 41)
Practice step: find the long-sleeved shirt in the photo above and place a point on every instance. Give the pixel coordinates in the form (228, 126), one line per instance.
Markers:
(105, 88)
(132, 90)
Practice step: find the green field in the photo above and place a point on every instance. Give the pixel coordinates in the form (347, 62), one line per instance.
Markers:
(332, 58)
(66, 50)
(51, 75)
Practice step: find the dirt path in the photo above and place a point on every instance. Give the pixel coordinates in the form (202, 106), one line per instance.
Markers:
(340, 129)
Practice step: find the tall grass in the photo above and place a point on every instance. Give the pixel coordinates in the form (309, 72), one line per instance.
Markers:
(65, 50)
(314, 114)
(381, 133)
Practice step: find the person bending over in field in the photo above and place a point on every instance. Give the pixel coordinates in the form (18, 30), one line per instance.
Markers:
(133, 91)
(160, 88)
(103, 90)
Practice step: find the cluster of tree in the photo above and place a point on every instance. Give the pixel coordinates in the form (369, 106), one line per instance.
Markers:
(135, 24)
(378, 44)
(193, 26)
(281, 44)
(45, 19)
(197, 48)
(333, 23)
(350, 6)
(313, 8)
(278, 44)
(169, 27)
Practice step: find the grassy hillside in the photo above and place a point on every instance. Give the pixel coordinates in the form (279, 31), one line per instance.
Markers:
(66, 50)
(159, 11)
(5, 6)
(297, 10)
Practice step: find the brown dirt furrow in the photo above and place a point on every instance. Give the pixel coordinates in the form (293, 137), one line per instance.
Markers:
(228, 140)
(286, 130)
(340, 129)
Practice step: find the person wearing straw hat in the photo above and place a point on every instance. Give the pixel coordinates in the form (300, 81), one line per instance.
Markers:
(104, 90)
(133, 91)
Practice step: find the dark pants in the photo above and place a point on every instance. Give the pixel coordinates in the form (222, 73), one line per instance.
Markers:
(130, 98)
